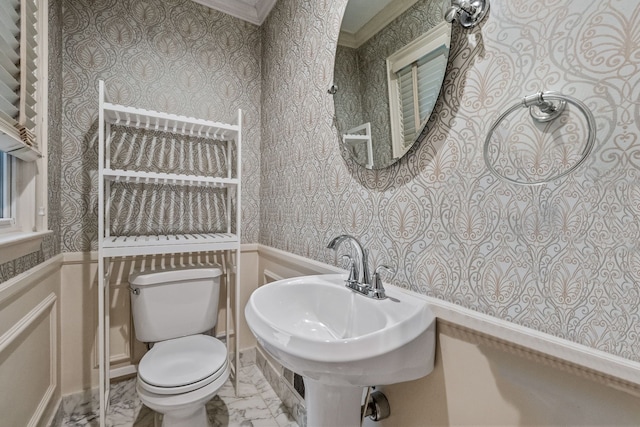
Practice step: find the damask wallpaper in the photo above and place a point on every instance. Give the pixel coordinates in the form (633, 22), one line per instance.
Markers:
(174, 56)
(54, 147)
(562, 258)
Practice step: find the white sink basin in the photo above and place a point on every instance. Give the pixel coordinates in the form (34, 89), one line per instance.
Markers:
(318, 328)
(340, 341)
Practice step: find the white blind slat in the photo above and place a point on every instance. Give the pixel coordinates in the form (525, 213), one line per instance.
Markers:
(7, 93)
(429, 74)
(32, 8)
(32, 55)
(9, 109)
(10, 48)
(11, 8)
(8, 30)
(18, 76)
(9, 80)
(9, 70)
(405, 89)
(8, 65)
(30, 112)
(29, 123)
(32, 79)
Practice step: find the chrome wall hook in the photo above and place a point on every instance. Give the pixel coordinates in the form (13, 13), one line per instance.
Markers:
(467, 12)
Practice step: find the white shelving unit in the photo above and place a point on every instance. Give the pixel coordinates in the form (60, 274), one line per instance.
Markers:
(358, 137)
(110, 246)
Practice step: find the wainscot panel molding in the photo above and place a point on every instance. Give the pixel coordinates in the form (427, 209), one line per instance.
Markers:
(24, 341)
(265, 264)
(30, 345)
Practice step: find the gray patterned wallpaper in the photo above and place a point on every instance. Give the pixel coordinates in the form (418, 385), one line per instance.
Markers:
(54, 155)
(175, 56)
(563, 258)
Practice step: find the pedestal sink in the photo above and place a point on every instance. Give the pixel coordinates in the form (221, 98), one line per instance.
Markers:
(340, 341)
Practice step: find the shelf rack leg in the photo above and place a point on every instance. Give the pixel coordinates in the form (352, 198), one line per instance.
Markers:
(103, 279)
(103, 338)
(236, 328)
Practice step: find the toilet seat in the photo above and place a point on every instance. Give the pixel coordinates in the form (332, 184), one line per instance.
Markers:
(182, 364)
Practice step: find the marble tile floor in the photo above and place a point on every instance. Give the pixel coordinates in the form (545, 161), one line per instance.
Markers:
(256, 405)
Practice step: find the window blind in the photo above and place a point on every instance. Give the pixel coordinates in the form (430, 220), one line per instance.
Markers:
(407, 102)
(419, 86)
(18, 78)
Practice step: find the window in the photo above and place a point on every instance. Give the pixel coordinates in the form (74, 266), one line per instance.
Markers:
(419, 86)
(23, 99)
(415, 74)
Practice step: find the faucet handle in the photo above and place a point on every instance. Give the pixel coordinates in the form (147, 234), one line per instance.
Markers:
(353, 269)
(377, 288)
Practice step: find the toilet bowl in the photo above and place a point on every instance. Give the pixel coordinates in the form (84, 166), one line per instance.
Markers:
(185, 368)
(178, 377)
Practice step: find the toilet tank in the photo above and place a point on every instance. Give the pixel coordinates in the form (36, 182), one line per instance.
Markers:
(172, 303)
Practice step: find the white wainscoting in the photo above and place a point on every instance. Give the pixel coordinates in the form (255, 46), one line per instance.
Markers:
(491, 372)
(482, 347)
(30, 346)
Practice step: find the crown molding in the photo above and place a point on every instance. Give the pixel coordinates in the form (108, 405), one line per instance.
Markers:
(378, 22)
(254, 11)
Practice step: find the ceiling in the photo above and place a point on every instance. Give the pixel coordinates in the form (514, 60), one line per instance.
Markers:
(359, 12)
(362, 18)
(254, 11)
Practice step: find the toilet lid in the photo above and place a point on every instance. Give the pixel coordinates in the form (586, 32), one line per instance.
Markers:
(182, 361)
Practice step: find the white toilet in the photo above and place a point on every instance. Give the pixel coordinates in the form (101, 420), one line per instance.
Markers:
(184, 369)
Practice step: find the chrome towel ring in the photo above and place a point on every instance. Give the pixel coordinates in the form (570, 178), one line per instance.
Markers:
(543, 107)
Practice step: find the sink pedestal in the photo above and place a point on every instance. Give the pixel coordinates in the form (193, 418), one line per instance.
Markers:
(331, 405)
(340, 341)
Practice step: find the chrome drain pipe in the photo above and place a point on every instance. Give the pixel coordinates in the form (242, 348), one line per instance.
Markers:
(376, 406)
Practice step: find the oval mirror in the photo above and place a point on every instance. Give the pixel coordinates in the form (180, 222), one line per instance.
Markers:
(390, 64)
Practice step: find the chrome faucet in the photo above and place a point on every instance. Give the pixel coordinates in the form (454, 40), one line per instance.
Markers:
(359, 273)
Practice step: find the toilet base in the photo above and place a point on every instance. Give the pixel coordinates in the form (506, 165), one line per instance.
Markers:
(188, 417)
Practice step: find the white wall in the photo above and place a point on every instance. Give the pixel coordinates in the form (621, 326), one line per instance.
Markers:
(479, 381)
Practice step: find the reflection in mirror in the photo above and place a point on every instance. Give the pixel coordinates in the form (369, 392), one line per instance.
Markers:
(373, 32)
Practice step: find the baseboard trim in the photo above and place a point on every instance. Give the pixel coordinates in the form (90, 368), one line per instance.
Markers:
(299, 262)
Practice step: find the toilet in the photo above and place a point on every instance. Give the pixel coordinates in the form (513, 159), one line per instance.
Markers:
(173, 308)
